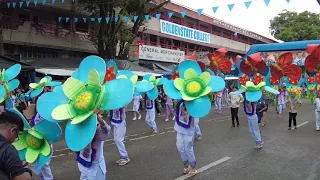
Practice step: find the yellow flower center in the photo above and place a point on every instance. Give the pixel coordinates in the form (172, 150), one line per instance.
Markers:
(33, 142)
(193, 87)
(83, 100)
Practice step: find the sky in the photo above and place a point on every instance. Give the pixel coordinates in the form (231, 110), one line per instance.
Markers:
(257, 17)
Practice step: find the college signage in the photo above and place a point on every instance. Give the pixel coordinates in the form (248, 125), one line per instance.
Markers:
(160, 54)
(184, 32)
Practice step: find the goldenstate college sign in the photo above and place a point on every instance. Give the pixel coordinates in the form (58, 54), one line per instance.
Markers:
(184, 32)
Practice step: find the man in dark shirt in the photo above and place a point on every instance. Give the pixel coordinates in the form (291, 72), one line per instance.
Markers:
(10, 163)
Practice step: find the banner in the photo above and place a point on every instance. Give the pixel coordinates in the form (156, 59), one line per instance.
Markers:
(184, 32)
(160, 54)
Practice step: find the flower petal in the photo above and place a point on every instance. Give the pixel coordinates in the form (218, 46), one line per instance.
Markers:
(206, 91)
(49, 130)
(49, 101)
(32, 155)
(33, 85)
(153, 94)
(93, 79)
(161, 81)
(63, 112)
(21, 143)
(118, 93)
(9, 103)
(179, 84)
(41, 161)
(81, 117)
(35, 134)
(13, 84)
(171, 90)
(2, 93)
(144, 86)
(152, 78)
(22, 154)
(253, 96)
(147, 77)
(89, 63)
(206, 78)
(54, 83)
(73, 87)
(190, 74)
(36, 92)
(217, 83)
(74, 133)
(134, 79)
(186, 97)
(199, 108)
(25, 122)
(126, 73)
(184, 65)
(45, 149)
(12, 72)
(271, 90)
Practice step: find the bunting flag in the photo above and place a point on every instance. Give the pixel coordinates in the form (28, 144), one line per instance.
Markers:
(21, 4)
(199, 11)
(125, 19)
(248, 4)
(135, 18)
(158, 16)
(116, 19)
(230, 6)
(147, 17)
(183, 13)
(170, 14)
(215, 9)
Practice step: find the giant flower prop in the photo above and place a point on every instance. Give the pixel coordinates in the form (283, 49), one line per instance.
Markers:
(253, 64)
(193, 86)
(33, 144)
(312, 61)
(149, 86)
(273, 80)
(78, 98)
(284, 67)
(218, 61)
(254, 92)
(37, 88)
(257, 78)
(8, 83)
(243, 79)
(111, 71)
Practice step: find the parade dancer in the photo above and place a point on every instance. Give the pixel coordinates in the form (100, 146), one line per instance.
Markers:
(185, 127)
(225, 97)
(250, 111)
(282, 99)
(136, 106)
(317, 111)
(91, 161)
(151, 114)
(293, 103)
(118, 120)
(197, 130)
(169, 109)
(218, 101)
(234, 101)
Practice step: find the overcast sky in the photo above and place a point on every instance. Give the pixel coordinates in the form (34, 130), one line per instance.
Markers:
(257, 17)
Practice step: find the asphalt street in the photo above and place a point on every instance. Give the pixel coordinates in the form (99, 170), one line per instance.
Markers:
(225, 153)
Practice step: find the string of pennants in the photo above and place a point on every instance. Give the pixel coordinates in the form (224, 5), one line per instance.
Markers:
(183, 13)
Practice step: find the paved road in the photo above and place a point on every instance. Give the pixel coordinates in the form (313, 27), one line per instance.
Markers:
(224, 153)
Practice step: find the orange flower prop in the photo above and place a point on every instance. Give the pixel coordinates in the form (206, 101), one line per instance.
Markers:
(284, 67)
(258, 78)
(219, 62)
(110, 75)
(175, 75)
(253, 64)
(243, 79)
(273, 80)
(312, 61)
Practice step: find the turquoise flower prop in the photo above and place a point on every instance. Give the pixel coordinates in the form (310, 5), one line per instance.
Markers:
(8, 83)
(33, 144)
(37, 88)
(77, 98)
(149, 86)
(193, 86)
(254, 92)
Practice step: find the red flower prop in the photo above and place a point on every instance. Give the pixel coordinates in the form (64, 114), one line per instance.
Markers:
(284, 67)
(243, 79)
(293, 81)
(219, 62)
(310, 80)
(175, 75)
(273, 80)
(258, 78)
(110, 75)
(253, 64)
(312, 61)
(201, 64)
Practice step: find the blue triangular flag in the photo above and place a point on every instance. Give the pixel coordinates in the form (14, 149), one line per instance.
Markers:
(248, 4)
(230, 6)
(92, 19)
(99, 19)
(35, 2)
(14, 4)
(59, 19)
(199, 11)
(158, 16)
(21, 4)
(183, 13)
(266, 2)
(170, 14)
(62, 1)
(67, 19)
(84, 20)
(125, 19)
(107, 19)
(53, 1)
(44, 2)
(28, 3)
(116, 19)
(76, 20)
(8, 4)
(135, 18)
(288, 1)
(215, 9)
(147, 16)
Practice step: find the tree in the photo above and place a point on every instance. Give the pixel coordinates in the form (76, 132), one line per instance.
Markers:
(1, 29)
(105, 35)
(293, 26)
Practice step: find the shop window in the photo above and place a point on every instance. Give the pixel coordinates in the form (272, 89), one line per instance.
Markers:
(153, 38)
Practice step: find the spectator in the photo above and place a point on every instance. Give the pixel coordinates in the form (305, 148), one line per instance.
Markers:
(10, 163)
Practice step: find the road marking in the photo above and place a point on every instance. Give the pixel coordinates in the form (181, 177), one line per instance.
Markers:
(303, 124)
(204, 168)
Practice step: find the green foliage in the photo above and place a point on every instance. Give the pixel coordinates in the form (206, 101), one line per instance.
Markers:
(311, 96)
(292, 26)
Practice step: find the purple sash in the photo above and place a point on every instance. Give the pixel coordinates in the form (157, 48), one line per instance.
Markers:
(180, 117)
(148, 102)
(116, 116)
